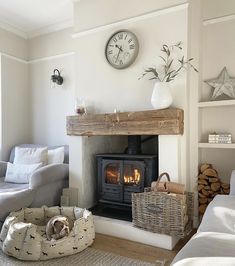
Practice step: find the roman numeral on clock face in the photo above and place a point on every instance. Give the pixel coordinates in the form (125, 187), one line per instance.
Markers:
(120, 36)
(110, 52)
(132, 46)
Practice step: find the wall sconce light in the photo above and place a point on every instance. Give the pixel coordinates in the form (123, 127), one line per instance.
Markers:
(56, 77)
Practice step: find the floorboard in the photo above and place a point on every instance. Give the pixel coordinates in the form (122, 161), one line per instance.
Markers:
(136, 250)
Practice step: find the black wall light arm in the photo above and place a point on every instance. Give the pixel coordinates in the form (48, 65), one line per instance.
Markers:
(56, 77)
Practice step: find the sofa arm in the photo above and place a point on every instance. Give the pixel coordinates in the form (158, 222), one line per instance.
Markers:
(3, 168)
(232, 183)
(48, 174)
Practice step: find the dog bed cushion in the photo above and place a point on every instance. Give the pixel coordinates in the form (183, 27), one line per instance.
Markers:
(23, 233)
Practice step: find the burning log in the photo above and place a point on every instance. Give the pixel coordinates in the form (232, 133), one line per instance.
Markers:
(209, 185)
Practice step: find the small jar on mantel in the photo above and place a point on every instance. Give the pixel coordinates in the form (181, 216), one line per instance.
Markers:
(80, 106)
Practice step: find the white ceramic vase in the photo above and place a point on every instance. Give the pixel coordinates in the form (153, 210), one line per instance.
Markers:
(161, 96)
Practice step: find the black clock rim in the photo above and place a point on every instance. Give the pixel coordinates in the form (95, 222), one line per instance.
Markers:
(136, 51)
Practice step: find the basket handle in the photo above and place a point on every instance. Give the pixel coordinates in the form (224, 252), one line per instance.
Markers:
(160, 177)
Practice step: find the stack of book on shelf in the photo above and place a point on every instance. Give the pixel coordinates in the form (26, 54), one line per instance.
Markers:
(225, 138)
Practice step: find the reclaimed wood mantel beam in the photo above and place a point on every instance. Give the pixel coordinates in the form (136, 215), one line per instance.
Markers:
(153, 122)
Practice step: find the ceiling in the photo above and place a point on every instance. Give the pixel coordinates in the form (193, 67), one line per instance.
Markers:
(30, 18)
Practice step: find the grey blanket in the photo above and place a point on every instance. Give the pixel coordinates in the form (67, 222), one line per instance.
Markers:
(11, 187)
(14, 197)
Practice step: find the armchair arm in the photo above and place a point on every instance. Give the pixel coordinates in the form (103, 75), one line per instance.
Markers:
(232, 183)
(48, 174)
(3, 168)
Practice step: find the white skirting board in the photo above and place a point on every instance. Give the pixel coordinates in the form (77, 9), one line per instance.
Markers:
(125, 230)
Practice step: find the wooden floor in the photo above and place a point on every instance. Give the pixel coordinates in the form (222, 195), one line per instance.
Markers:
(136, 250)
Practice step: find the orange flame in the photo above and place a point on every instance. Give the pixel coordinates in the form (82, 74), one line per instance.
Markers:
(133, 179)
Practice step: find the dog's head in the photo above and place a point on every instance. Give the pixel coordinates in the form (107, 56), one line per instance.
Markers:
(61, 224)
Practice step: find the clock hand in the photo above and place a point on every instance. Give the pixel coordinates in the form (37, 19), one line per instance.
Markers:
(120, 48)
(118, 55)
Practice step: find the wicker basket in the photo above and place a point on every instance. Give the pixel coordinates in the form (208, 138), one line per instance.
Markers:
(160, 212)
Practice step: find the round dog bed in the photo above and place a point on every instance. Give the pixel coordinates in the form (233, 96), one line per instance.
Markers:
(23, 233)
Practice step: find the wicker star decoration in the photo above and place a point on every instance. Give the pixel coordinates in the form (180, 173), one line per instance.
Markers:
(224, 84)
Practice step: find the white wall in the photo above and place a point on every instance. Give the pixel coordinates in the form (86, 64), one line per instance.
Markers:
(218, 51)
(15, 99)
(50, 106)
(32, 111)
(106, 88)
(12, 44)
(14, 109)
(87, 12)
(55, 43)
(217, 8)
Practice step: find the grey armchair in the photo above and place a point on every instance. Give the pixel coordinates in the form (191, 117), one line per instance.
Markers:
(44, 188)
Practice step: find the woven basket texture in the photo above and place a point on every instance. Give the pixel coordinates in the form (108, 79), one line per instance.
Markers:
(160, 212)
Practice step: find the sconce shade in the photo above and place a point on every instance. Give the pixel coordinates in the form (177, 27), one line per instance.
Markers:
(56, 77)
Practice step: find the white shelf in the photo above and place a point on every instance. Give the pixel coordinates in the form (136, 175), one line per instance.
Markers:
(216, 146)
(216, 103)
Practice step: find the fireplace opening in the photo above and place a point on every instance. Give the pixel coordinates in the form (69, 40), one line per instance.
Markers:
(132, 175)
(120, 175)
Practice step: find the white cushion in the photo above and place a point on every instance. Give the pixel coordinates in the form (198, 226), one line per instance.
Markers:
(207, 248)
(56, 155)
(219, 215)
(20, 173)
(31, 155)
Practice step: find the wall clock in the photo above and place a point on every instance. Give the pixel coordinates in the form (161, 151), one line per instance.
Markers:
(122, 49)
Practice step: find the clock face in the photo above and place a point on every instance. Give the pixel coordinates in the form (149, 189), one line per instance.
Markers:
(122, 49)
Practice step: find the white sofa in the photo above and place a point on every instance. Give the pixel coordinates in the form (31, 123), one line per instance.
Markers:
(214, 242)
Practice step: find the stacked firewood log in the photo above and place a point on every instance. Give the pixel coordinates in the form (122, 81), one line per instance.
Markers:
(209, 185)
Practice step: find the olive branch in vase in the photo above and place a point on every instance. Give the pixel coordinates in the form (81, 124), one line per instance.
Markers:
(169, 73)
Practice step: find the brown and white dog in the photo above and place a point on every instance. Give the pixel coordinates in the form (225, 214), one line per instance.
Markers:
(57, 227)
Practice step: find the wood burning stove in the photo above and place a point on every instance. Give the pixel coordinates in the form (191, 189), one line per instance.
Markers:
(119, 175)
